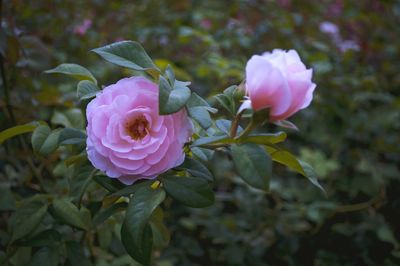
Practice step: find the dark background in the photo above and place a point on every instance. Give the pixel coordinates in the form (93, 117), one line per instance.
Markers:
(349, 134)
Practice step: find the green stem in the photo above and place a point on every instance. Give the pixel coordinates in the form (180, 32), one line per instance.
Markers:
(247, 130)
(90, 246)
(3, 74)
(6, 88)
(10, 251)
(215, 146)
(36, 172)
(372, 203)
(234, 126)
(85, 186)
(363, 205)
(6, 92)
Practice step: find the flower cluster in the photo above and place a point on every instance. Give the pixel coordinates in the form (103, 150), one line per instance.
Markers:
(128, 139)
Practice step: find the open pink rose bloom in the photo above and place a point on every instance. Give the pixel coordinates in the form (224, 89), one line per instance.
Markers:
(278, 81)
(127, 138)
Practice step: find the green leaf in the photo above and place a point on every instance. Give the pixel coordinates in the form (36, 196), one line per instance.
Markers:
(172, 98)
(67, 212)
(7, 200)
(196, 169)
(230, 91)
(46, 256)
(74, 70)
(139, 211)
(286, 124)
(102, 216)
(26, 219)
(203, 154)
(111, 184)
(143, 255)
(75, 159)
(132, 189)
(71, 136)
(199, 110)
(311, 175)
(225, 126)
(212, 140)
(86, 90)
(226, 103)
(44, 141)
(386, 234)
(286, 158)
(170, 75)
(105, 238)
(17, 130)
(253, 164)
(48, 237)
(72, 118)
(128, 54)
(265, 139)
(191, 191)
(79, 181)
(75, 255)
(161, 234)
(226, 100)
(21, 256)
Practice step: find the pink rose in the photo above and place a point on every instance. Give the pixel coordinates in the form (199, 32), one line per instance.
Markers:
(279, 81)
(127, 138)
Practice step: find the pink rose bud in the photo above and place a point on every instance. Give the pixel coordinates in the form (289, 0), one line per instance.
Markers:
(278, 81)
(127, 138)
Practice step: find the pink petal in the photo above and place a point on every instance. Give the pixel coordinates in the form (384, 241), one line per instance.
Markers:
(156, 156)
(126, 164)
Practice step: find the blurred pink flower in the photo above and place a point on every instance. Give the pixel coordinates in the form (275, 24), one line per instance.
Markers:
(279, 81)
(127, 138)
(333, 31)
(336, 8)
(329, 28)
(348, 45)
(284, 3)
(205, 24)
(83, 27)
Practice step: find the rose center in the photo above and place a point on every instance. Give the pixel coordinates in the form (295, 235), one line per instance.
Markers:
(138, 128)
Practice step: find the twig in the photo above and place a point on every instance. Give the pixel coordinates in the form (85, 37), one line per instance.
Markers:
(363, 205)
(85, 186)
(235, 125)
(247, 130)
(355, 207)
(214, 146)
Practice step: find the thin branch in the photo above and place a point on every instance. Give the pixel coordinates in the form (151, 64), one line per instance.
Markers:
(85, 186)
(247, 130)
(235, 125)
(363, 205)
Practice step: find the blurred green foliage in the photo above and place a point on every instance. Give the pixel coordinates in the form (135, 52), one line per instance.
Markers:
(350, 134)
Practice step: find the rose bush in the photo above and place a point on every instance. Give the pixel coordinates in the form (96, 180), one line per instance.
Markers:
(137, 129)
(279, 81)
(127, 138)
(350, 134)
